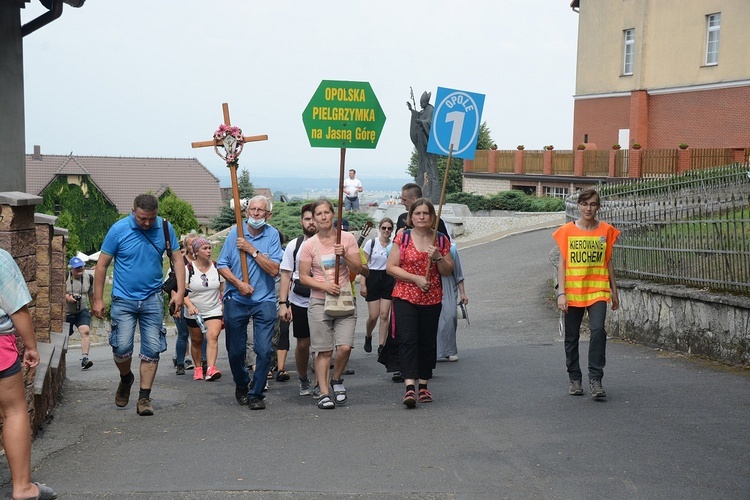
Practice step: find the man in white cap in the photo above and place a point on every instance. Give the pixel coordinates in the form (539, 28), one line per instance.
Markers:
(79, 293)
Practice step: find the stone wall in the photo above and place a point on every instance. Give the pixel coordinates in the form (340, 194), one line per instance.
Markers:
(39, 250)
(485, 185)
(683, 319)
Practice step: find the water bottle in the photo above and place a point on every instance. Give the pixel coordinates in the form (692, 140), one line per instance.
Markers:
(201, 323)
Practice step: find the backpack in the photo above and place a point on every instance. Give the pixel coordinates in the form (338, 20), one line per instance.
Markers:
(406, 237)
(297, 286)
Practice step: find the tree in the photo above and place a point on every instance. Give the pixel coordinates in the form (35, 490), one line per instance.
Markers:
(226, 217)
(247, 190)
(455, 174)
(82, 210)
(179, 212)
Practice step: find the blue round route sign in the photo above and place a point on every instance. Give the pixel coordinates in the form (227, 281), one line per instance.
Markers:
(456, 121)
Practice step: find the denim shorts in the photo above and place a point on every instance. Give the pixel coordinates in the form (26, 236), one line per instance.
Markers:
(149, 315)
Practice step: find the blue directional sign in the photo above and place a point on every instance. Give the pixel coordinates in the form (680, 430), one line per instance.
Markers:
(456, 120)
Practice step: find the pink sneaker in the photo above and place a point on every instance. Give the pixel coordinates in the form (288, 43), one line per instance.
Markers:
(198, 375)
(212, 374)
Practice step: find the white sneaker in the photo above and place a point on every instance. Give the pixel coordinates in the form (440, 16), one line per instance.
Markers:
(452, 357)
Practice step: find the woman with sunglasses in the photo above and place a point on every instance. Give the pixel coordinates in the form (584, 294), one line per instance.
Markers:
(378, 286)
(586, 282)
(206, 288)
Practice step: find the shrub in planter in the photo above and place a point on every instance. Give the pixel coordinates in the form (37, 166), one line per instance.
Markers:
(581, 147)
(520, 147)
(549, 148)
(616, 146)
(682, 145)
(636, 145)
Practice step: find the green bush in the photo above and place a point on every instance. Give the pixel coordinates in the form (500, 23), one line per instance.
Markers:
(515, 201)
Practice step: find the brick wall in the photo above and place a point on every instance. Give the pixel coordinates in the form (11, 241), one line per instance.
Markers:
(705, 119)
(601, 119)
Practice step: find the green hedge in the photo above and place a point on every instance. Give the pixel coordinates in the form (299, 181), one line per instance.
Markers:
(515, 201)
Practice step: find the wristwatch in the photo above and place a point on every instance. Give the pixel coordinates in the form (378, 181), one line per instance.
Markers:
(285, 302)
(254, 255)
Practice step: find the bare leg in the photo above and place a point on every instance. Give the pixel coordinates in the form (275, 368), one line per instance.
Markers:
(85, 333)
(17, 435)
(301, 356)
(385, 318)
(148, 373)
(322, 370)
(342, 358)
(373, 309)
(196, 344)
(212, 345)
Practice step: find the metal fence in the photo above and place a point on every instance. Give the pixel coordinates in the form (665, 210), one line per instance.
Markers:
(692, 229)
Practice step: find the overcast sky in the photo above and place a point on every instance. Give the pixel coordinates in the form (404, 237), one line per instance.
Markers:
(147, 78)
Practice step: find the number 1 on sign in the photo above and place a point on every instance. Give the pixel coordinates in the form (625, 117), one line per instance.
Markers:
(457, 117)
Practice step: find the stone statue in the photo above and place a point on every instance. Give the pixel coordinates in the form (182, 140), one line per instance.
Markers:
(427, 174)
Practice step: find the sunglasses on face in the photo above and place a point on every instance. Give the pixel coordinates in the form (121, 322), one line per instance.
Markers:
(386, 228)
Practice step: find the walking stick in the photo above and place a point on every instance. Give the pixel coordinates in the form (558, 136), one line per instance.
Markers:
(440, 206)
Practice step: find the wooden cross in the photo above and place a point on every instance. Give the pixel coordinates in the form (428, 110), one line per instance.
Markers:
(235, 185)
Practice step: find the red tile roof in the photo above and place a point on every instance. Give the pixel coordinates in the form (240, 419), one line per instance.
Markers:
(122, 179)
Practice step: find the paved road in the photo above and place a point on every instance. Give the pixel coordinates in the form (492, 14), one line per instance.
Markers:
(502, 425)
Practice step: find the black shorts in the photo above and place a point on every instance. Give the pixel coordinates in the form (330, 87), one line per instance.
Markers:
(12, 369)
(82, 317)
(379, 286)
(194, 324)
(300, 325)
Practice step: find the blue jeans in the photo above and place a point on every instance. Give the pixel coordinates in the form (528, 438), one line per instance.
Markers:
(183, 335)
(351, 204)
(236, 318)
(149, 314)
(597, 344)
(182, 338)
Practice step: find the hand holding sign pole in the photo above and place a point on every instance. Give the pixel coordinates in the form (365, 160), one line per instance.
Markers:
(455, 130)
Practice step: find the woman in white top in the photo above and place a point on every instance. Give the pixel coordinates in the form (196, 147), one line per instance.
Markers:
(206, 288)
(378, 286)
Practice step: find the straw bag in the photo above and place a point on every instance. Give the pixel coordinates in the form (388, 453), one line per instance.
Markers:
(340, 305)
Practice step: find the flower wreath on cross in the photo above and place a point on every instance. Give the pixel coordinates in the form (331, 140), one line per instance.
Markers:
(230, 138)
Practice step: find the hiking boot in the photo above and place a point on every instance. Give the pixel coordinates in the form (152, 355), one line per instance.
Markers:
(122, 396)
(86, 363)
(368, 344)
(575, 389)
(256, 404)
(596, 389)
(304, 387)
(144, 407)
(180, 369)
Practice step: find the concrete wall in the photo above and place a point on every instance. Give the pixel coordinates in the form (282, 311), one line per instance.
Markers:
(683, 319)
(12, 124)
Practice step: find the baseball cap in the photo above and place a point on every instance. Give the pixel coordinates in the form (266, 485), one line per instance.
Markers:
(75, 262)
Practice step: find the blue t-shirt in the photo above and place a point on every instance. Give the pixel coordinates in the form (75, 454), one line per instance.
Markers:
(138, 265)
(269, 244)
(14, 294)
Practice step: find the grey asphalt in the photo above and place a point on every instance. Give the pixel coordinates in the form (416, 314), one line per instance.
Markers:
(502, 424)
